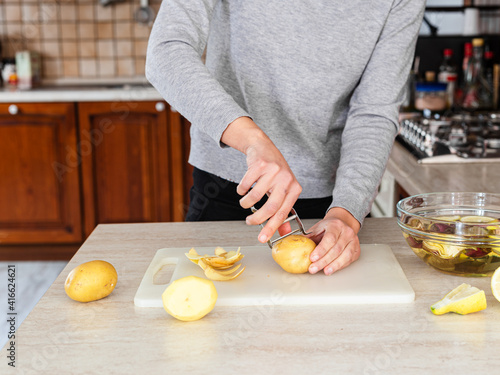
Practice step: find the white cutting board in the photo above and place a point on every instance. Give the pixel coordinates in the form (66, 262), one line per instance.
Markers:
(376, 277)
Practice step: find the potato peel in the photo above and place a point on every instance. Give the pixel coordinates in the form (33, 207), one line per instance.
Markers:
(218, 267)
(216, 276)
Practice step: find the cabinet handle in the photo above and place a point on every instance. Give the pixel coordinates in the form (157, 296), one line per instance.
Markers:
(13, 109)
(160, 106)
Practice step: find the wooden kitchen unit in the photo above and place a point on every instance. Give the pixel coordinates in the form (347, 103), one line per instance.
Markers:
(39, 172)
(113, 336)
(131, 162)
(69, 166)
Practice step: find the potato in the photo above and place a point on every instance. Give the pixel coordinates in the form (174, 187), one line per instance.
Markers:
(292, 253)
(91, 281)
(189, 298)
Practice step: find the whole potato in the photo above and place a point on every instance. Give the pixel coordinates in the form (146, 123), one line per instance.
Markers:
(91, 281)
(292, 253)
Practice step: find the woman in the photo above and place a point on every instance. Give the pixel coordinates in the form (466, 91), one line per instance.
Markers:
(296, 98)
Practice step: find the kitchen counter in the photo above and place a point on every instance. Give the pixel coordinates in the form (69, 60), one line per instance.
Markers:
(112, 336)
(82, 93)
(417, 178)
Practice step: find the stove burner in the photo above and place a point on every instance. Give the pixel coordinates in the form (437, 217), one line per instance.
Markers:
(465, 135)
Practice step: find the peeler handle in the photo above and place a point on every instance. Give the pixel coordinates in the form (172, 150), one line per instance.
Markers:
(295, 217)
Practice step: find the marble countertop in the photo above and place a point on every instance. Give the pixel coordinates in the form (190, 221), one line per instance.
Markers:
(418, 178)
(105, 91)
(113, 336)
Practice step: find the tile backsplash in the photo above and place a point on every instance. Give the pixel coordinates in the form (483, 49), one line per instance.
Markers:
(77, 39)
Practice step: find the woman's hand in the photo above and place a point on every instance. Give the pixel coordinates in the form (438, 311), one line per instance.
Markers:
(268, 170)
(337, 241)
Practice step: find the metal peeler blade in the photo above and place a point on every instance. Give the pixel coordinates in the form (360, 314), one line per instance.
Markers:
(289, 218)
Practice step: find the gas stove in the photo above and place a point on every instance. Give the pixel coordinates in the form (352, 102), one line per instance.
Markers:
(458, 138)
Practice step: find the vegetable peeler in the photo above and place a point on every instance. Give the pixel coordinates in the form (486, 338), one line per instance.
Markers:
(289, 218)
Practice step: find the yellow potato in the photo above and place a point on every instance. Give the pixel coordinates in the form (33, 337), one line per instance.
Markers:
(292, 253)
(91, 281)
(189, 298)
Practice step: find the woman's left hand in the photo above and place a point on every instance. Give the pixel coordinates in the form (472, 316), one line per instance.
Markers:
(337, 241)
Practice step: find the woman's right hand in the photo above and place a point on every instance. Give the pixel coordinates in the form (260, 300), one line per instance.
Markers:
(268, 173)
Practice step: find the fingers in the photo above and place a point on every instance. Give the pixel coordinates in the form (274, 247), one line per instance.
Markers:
(338, 248)
(284, 229)
(277, 218)
(260, 189)
(251, 176)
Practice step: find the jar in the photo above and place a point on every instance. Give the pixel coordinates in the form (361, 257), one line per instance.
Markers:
(430, 96)
(9, 75)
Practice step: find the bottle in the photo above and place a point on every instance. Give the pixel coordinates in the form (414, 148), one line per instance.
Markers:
(477, 95)
(447, 67)
(467, 56)
(451, 88)
(488, 67)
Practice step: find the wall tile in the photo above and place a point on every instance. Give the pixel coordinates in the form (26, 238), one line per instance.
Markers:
(87, 30)
(77, 38)
(123, 12)
(68, 12)
(141, 31)
(30, 13)
(87, 49)
(49, 12)
(51, 49)
(68, 31)
(50, 31)
(123, 30)
(105, 48)
(88, 68)
(124, 48)
(13, 12)
(105, 30)
(106, 68)
(52, 68)
(69, 49)
(86, 12)
(126, 67)
(140, 65)
(140, 48)
(71, 68)
(32, 31)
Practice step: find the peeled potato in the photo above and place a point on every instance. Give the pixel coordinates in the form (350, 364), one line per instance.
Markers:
(292, 253)
(91, 281)
(189, 298)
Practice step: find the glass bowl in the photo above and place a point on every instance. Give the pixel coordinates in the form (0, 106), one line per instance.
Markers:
(456, 233)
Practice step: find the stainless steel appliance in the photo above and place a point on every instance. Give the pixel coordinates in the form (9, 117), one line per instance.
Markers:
(458, 138)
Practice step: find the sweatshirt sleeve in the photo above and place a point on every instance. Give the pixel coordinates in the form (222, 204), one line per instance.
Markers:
(174, 66)
(372, 121)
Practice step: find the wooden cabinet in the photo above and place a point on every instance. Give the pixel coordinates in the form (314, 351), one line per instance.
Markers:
(39, 174)
(67, 167)
(131, 163)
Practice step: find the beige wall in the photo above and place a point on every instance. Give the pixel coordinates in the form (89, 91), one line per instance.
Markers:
(77, 38)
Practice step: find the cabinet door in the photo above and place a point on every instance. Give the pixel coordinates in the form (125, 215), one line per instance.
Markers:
(125, 162)
(39, 174)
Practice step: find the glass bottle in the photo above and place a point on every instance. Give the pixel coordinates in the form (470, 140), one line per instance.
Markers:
(488, 67)
(467, 56)
(477, 93)
(447, 67)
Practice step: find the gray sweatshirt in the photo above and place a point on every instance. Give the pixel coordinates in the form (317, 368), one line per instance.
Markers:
(322, 78)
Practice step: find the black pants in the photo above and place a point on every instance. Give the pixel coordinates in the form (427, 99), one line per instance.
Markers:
(215, 199)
